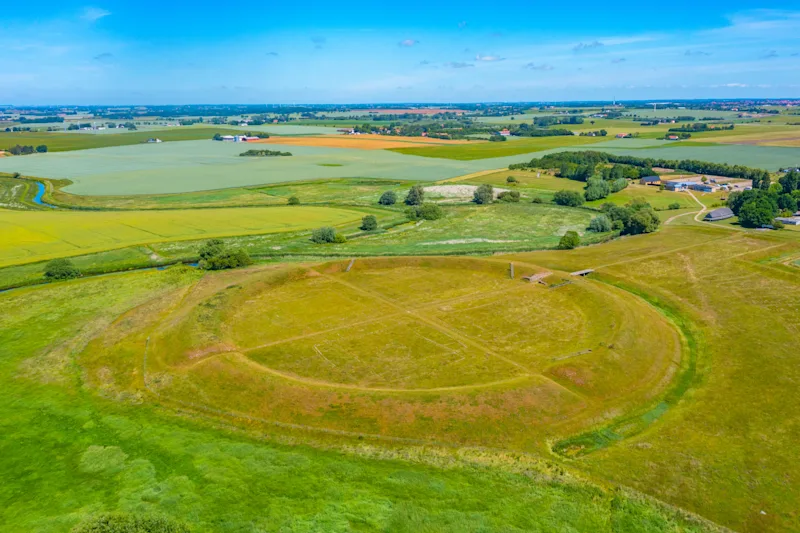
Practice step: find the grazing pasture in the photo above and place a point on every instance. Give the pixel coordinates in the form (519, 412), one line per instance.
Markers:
(40, 235)
(469, 152)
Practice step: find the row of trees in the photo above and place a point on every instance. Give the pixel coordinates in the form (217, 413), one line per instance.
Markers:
(760, 177)
(757, 207)
(25, 150)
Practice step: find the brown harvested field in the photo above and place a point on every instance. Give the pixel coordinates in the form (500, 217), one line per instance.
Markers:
(359, 142)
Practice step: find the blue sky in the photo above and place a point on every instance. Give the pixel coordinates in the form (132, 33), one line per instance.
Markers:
(324, 52)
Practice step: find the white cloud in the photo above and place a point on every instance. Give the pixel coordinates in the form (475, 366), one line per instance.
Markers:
(93, 14)
(587, 46)
(534, 66)
(408, 43)
(488, 58)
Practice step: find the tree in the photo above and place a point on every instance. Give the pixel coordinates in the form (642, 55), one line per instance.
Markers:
(497, 138)
(757, 213)
(415, 196)
(130, 523)
(790, 181)
(600, 224)
(787, 202)
(369, 223)
(511, 180)
(61, 269)
(211, 248)
(596, 189)
(618, 184)
(388, 198)
(294, 200)
(642, 221)
(508, 197)
(674, 205)
(568, 198)
(483, 195)
(570, 240)
(323, 235)
(42, 148)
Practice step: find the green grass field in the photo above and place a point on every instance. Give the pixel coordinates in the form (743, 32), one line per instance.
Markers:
(39, 235)
(70, 451)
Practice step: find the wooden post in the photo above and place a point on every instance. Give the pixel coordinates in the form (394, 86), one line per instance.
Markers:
(350, 265)
(511, 266)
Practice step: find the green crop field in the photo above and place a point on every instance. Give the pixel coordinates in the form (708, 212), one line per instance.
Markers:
(62, 142)
(39, 235)
(468, 152)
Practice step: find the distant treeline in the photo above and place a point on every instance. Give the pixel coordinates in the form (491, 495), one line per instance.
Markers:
(760, 177)
(25, 150)
(42, 120)
(699, 127)
(264, 153)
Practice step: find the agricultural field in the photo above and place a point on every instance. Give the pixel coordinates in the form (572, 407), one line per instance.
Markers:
(40, 235)
(63, 142)
(361, 142)
(470, 152)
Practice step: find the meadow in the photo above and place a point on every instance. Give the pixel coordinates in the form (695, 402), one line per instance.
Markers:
(40, 235)
(85, 450)
(469, 152)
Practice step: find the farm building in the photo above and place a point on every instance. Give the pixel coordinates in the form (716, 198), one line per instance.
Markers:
(719, 214)
(154, 140)
(677, 185)
(650, 180)
(229, 138)
(790, 221)
(672, 138)
(703, 187)
(623, 135)
(504, 133)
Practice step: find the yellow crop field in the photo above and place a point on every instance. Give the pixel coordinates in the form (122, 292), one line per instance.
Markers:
(36, 236)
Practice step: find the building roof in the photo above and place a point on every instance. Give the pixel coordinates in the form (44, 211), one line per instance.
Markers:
(720, 214)
(651, 178)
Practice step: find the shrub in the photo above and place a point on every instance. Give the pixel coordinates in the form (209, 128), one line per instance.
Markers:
(642, 221)
(339, 238)
(569, 241)
(600, 224)
(777, 224)
(369, 223)
(425, 212)
(130, 523)
(674, 205)
(323, 235)
(483, 195)
(42, 148)
(214, 256)
(294, 200)
(618, 184)
(388, 198)
(61, 269)
(537, 200)
(415, 196)
(497, 138)
(511, 179)
(568, 198)
(508, 196)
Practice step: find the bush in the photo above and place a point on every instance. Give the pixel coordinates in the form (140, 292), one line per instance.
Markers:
(61, 269)
(339, 238)
(214, 256)
(415, 196)
(369, 223)
(674, 205)
(42, 148)
(323, 235)
(568, 198)
(777, 224)
(600, 224)
(130, 523)
(388, 198)
(508, 196)
(642, 221)
(425, 212)
(596, 189)
(483, 195)
(497, 138)
(569, 241)
(511, 179)
(294, 200)
(619, 184)
(537, 200)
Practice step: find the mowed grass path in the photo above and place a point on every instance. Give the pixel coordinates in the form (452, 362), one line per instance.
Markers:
(40, 235)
